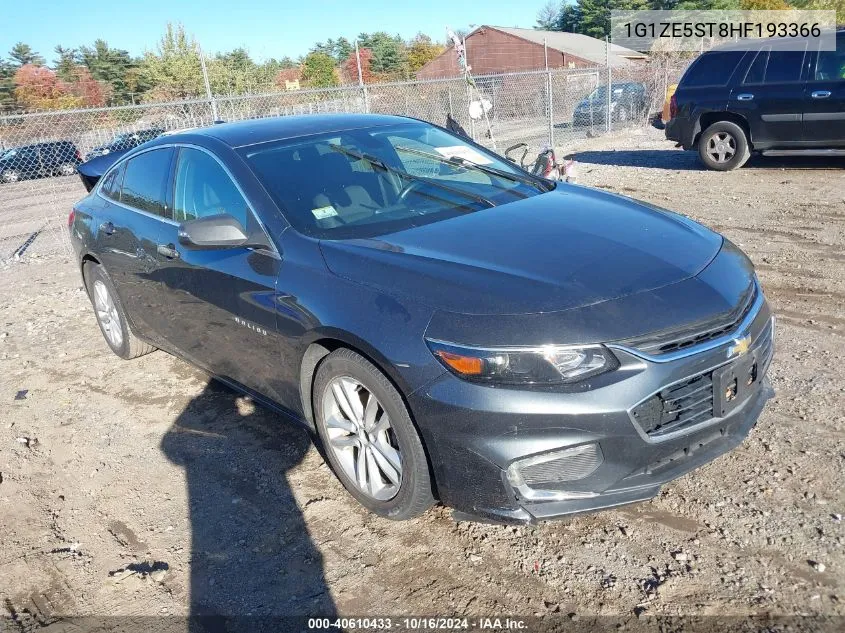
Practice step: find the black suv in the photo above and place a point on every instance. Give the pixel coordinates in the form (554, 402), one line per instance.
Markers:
(41, 159)
(733, 101)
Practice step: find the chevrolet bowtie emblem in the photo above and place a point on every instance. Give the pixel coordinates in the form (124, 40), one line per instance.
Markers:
(740, 346)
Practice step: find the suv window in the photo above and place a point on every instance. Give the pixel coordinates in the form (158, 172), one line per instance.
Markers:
(830, 65)
(775, 66)
(145, 180)
(712, 69)
(204, 188)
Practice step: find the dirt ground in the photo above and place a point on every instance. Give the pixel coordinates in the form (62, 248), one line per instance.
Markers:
(140, 488)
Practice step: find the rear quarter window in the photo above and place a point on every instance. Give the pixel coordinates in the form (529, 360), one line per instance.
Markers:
(712, 69)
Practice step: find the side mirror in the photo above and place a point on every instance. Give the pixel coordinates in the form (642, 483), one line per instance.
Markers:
(216, 232)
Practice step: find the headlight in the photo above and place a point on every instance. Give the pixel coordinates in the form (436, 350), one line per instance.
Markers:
(545, 365)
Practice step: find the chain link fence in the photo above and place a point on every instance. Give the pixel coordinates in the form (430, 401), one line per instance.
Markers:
(39, 152)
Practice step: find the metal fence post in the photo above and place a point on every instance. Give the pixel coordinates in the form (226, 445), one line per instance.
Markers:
(214, 114)
(609, 91)
(361, 83)
(549, 99)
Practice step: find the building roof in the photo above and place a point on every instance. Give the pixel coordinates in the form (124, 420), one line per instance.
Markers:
(583, 46)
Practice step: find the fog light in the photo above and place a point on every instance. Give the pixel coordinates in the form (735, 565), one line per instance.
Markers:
(539, 478)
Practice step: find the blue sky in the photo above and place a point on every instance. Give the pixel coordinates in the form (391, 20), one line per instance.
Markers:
(267, 28)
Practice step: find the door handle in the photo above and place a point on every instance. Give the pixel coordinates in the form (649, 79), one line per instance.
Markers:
(107, 228)
(745, 96)
(820, 94)
(168, 251)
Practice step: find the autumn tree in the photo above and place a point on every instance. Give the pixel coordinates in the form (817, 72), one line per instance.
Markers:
(91, 92)
(350, 66)
(38, 88)
(422, 50)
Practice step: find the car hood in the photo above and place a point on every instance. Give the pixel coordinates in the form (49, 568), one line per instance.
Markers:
(556, 251)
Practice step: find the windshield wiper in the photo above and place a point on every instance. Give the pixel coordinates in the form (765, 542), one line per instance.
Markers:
(377, 162)
(468, 164)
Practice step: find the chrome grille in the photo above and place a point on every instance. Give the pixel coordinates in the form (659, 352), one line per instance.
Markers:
(674, 340)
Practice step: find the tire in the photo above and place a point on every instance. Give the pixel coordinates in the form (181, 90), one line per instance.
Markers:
(723, 146)
(366, 449)
(111, 317)
(67, 169)
(11, 176)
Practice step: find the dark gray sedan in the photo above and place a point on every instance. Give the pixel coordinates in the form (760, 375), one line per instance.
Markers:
(449, 326)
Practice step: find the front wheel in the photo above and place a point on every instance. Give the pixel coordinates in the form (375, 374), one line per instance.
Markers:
(368, 437)
(723, 146)
(111, 316)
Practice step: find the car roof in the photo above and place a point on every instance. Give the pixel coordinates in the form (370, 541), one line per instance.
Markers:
(254, 131)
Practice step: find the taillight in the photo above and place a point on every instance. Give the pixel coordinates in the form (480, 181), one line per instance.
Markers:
(70, 218)
(78, 156)
(673, 106)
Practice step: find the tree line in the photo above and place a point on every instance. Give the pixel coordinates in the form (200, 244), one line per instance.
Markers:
(101, 75)
(592, 17)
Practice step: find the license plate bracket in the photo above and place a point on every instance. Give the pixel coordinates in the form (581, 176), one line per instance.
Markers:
(734, 383)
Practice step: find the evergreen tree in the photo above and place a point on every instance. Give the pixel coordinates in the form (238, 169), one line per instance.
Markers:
(22, 54)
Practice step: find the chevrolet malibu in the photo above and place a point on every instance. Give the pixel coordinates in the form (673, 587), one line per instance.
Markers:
(448, 326)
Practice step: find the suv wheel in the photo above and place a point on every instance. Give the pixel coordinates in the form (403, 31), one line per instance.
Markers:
(111, 316)
(68, 169)
(11, 176)
(368, 437)
(723, 146)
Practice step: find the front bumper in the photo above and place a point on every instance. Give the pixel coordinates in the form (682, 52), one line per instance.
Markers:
(475, 432)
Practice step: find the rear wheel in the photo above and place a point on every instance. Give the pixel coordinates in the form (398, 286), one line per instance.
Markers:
(111, 316)
(68, 169)
(723, 146)
(11, 176)
(368, 437)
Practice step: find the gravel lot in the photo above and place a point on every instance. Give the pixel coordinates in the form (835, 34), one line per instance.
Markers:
(140, 488)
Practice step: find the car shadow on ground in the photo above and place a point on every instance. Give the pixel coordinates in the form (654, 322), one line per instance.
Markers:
(251, 554)
(681, 160)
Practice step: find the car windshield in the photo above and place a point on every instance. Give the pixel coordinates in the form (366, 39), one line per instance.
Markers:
(373, 181)
(8, 154)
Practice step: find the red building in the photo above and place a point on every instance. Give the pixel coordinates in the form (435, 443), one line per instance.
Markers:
(496, 49)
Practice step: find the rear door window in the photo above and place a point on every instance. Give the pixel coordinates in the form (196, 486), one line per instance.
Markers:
(773, 66)
(830, 65)
(145, 181)
(712, 69)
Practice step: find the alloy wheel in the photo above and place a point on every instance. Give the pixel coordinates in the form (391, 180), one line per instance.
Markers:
(361, 438)
(721, 147)
(68, 169)
(11, 176)
(107, 314)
